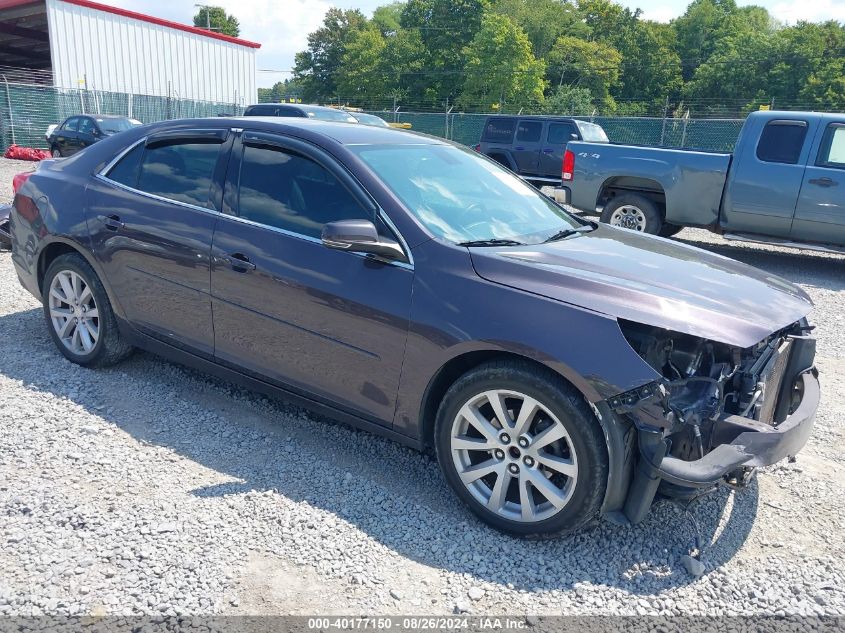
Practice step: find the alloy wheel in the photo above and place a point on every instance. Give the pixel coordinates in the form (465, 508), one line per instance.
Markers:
(629, 217)
(73, 312)
(513, 455)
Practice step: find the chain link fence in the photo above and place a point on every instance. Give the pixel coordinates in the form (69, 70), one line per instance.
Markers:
(705, 134)
(26, 112)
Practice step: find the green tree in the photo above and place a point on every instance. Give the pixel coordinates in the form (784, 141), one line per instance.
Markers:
(807, 53)
(388, 18)
(219, 21)
(502, 71)
(316, 67)
(578, 63)
(698, 31)
(569, 100)
(282, 91)
(446, 28)
(543, 21)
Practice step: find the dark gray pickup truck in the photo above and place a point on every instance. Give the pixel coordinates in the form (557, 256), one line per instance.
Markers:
(784, 183)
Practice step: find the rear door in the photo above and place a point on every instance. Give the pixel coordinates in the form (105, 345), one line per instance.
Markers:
(558, 134)
(766, 176)
(820, 212)
(526, 146)
(151, 217)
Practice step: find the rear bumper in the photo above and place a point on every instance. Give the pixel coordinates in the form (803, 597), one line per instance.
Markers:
(753, 444)
(561, 195)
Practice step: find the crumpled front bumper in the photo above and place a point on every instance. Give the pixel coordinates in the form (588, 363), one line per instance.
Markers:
(755, 444)
(739, 444)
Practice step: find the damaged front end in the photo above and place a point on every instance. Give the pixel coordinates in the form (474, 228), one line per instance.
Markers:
(717, 412)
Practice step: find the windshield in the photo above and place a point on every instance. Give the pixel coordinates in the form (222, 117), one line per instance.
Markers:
(330, 115)
(592, 133)
(113, 126)
(462, 197)
(371, 119)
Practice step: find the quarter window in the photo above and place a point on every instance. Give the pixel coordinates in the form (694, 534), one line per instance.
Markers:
(499, 130)
(781, 142)
(288, 191)
(832, 150)
(126, 170)
(529, 131)
(180, 170)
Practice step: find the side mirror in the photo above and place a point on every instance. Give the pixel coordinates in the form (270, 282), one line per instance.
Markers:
(360, 236)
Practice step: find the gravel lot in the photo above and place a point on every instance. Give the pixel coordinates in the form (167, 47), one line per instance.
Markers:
(149, 488)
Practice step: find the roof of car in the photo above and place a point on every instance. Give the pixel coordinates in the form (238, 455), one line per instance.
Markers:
(346, 133)
(305, 107)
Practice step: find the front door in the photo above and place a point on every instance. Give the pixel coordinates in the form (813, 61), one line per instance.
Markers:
(526, 146)
(765, 179)
(151, 219)
(325, 323)
(820, 213)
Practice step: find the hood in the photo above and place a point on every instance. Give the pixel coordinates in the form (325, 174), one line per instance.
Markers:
(653, 281)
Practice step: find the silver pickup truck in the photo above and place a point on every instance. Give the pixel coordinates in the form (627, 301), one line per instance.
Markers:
(784, 183)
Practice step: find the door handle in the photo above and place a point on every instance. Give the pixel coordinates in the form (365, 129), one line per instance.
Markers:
(548, 150)
(823, 182)
(519, 149)
(239, 262)
(112, 222)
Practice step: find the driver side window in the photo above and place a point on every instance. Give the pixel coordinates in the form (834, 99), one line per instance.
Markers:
(288, 191)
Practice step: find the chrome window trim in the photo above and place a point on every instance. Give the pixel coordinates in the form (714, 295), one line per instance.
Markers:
(101, 175)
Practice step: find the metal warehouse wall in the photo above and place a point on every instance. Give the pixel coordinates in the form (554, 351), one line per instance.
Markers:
(104, 51)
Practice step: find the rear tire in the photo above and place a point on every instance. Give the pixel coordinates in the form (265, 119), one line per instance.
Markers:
(79, 315)
(55, 152)
(555, 449)
(633, 211)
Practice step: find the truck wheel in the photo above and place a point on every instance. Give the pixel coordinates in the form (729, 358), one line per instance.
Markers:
(634, 212)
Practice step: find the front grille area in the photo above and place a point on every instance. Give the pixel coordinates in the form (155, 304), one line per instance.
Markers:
(772, 379)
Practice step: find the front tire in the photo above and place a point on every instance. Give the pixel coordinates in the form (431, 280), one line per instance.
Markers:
(79, 315)
(522, 449)
(634, 212)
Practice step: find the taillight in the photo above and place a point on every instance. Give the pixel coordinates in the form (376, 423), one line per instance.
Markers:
(568, 171)
(19, 179)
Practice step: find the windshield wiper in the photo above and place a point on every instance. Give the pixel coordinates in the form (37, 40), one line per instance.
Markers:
(586, 228)
(491, 242)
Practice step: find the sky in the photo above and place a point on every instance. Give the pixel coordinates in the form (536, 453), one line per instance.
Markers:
(281, 26)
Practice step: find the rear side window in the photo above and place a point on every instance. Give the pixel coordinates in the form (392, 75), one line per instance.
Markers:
(560, 133)
(529, 131)
(832, 150)
(288, 191)
(260, 110)
(180, 171)
(499, 130)
(781, 142)
(72, 125)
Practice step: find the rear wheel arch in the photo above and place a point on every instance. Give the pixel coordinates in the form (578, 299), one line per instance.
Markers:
(620, 185)
(502, 158)
(56, 249)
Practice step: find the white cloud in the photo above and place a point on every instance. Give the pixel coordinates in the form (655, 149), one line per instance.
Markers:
(809, 10)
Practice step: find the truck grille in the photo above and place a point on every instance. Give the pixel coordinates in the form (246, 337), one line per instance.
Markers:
(772, 379)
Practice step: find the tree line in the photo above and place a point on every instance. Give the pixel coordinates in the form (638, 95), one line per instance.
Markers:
(557, 56)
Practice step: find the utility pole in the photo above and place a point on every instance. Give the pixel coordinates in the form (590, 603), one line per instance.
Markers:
(207, 8)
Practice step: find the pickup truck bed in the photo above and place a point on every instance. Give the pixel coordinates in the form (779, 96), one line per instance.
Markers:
(686, 185)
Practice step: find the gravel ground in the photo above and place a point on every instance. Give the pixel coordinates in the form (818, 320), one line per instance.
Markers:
(148, 488)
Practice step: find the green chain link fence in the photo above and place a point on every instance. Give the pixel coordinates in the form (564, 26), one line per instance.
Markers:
(26, 111)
